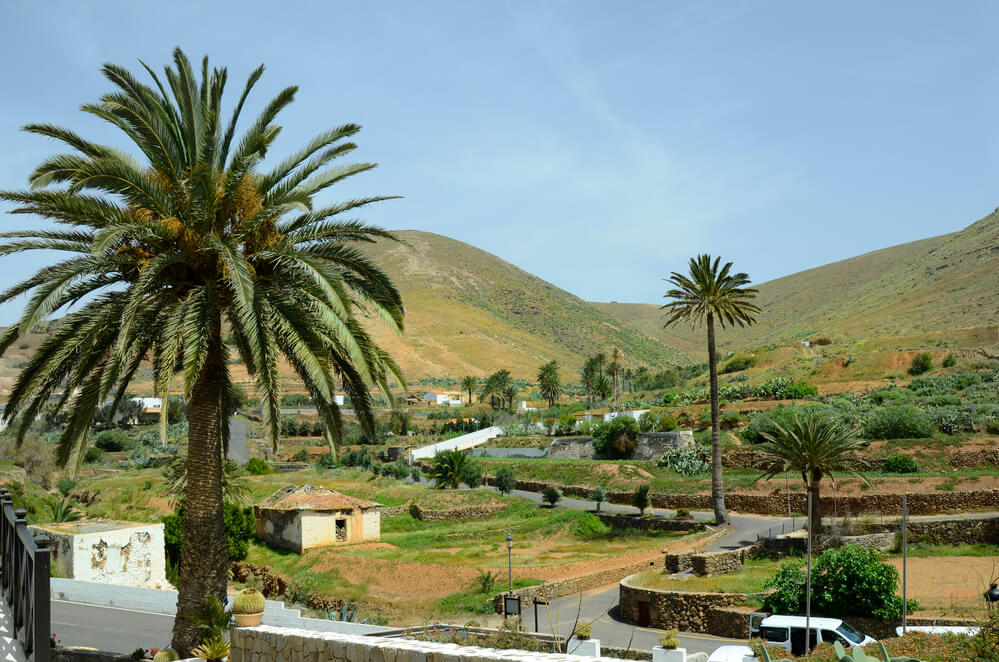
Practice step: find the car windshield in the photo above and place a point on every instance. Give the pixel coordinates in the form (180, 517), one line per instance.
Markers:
(850, 633)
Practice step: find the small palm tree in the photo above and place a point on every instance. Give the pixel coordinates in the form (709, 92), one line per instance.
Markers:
(814, 446)
(641, 499)
(549, 383)
(469, 384)
(707, 295)
(63, 510)
(551, 495)
(450, 469)
(598, 496)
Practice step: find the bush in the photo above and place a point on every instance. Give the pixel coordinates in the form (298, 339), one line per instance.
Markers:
(415, 474)
(949, 361)
(788, 595)
(257, 467)
(505, 481)
(239, 524)
(800, 389)
(616, 438)
(95, 456)
(898, 463)
(951, 420)
(739, 364)
(114, 441)
(763, 422)
(651, 422)
(685, 461)
(921, 363)
(772, 389)
(640, 498)
(899, 422)
(551, 495)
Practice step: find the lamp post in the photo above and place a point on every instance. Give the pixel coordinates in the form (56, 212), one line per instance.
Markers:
(509, 558)
(992, 595)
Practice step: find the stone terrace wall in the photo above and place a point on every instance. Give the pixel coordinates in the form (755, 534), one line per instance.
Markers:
(651, 445)
(455, 513)
(717, 563)
(974, 458)
(273, 644)
(650, 523)
(687, 611)
(574, 586)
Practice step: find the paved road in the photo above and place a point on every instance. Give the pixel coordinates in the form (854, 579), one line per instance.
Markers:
(238, 450)
(108, 628)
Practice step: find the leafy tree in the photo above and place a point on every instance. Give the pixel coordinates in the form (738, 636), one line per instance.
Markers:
(452, 468)
(788, 595)
(468, 384)
(598, 496)
(921, 363)
(114, 441)
(551, 495)
(640, 498)
(549, 384)
(505, 480)
(616, 438)
(814, 446)
(415, 474)
(710, 295)
(174, 243)
(853, 581)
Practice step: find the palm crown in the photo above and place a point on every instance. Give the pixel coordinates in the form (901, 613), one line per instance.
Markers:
(168, 251)
(710, 291)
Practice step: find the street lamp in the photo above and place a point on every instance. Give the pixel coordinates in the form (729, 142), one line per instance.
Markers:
(992, 595)
(509, 558)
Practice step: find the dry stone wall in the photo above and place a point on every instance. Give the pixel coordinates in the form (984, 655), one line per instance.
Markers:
(650, 523)
(455, 513)
(687, 611)
(574, 586)
(979, 458)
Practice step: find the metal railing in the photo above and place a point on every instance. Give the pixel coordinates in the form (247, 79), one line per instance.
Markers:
(24, 581)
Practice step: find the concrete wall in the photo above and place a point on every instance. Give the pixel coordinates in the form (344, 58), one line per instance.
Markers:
(270, 644)
(649, 447)
(530, 453)
(108, 552)
(371, 526)
(279, 528)
(461, 443)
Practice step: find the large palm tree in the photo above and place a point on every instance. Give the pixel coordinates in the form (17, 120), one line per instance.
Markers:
(469, 383)
(549, 384)
(814, 445)
(710, 295)
(170, 247)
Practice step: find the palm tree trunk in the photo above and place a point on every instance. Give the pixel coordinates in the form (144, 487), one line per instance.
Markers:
(717, 487)
(204, 559)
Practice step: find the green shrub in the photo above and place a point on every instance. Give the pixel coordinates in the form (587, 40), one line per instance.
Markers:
(95, 456)
(951, 420)
(763, 422)
(257, 467)
(772, 389)
(505, 481)
(800, 389)
(640, 498)
(739, 364)
(589, 525)
(898, 422)
(651, 422)
(788, 595)
(921, 363)
(551, 495)
(616, 437)
(949, 361)
(239, 525)
(114, 441)
(899, 463)
(891, 395)
(686, 461)
(415, 474)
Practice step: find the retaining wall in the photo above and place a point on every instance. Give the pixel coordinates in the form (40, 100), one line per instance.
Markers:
(650, 523)
(687, 611)
(455, 513)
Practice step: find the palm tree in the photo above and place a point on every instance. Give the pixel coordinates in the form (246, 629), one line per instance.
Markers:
(549, 383)
(510, 394)
(469, 383)
(706, 296)
(450, 469)
(602, 387)
(814, 446)
(174, 244)
(615, 367)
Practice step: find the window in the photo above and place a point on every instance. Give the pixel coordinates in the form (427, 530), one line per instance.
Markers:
(774, 634)
(852, 635)
(830, 636)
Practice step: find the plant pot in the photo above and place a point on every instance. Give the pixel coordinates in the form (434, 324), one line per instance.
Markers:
(248, 620)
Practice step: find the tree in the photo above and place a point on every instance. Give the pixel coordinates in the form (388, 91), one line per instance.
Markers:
(813, 445)
(452, 468)
(602, 387)
(505, 481)
(551, 495)
(510, 394)
(598, 496)
(706, 296)
(615, 367)
(469, 384)
(171, 245)
(616, 438)
(549, 384)
(640, 498)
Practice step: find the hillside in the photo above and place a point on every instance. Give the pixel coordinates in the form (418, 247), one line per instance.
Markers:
(922, 288)
(469, 312)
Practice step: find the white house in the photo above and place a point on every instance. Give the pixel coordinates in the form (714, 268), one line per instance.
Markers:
(436, 397)
(453, 402)
(634, 413)
(338, 400)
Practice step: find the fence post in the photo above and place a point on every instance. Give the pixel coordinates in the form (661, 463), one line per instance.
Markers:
(18, 567)
(42, 607)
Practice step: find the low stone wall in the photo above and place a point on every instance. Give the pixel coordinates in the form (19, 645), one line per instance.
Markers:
(574, 586)
(957, 531)
(730, 622)
(980, 458)
(60, 654)
(651, 445)
(680, 562)
(650, 523)
(572, 448)
(287, 467)
(745, 458)
(272, 644)
(455, 513)
(392, 511)
(687, 611)
(717, 563)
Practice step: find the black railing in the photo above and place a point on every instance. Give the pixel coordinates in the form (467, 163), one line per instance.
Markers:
(24, 581)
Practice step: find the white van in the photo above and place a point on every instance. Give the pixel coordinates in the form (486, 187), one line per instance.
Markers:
(788, 632)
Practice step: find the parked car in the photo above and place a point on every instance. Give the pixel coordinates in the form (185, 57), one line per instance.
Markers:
(788, 632)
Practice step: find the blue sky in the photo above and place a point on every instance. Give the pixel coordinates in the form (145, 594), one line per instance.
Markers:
(597, 145)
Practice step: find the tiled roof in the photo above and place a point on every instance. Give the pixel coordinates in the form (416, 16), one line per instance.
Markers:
(309, 497)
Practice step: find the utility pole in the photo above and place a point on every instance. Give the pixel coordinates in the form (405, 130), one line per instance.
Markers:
(808, 581)
(905, 560)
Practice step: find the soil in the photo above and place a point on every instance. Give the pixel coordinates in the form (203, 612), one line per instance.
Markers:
(948, 583)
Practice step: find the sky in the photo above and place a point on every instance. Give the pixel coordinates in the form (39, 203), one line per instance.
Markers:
(597, 145)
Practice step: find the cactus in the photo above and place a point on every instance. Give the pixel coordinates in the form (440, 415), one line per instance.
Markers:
(668, 640)
(166, 655)
(248, 601)
(858, 655)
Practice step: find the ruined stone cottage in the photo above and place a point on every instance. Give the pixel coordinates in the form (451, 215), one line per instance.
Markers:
(300, 517)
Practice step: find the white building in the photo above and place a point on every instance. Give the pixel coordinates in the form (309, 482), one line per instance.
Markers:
(436, 397)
